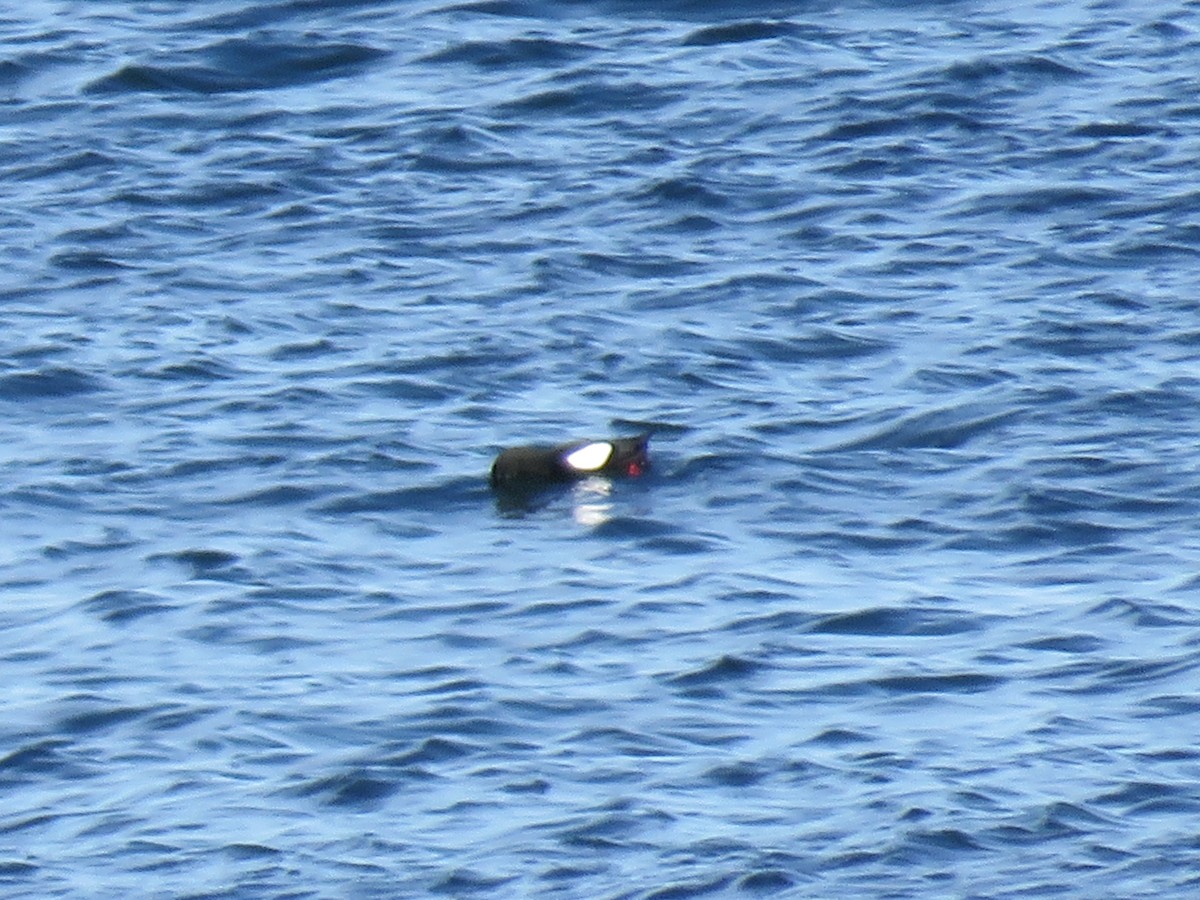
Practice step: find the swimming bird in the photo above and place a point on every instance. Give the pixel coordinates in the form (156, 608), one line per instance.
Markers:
(538, 465)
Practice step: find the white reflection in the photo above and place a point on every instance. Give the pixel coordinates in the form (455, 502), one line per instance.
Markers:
(590, 505)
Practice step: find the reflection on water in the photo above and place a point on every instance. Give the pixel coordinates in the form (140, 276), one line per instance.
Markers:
(590, 501)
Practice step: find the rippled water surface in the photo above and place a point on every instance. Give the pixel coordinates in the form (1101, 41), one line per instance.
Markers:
(909, 296)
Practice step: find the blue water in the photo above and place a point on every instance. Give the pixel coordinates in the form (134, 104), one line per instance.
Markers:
(909, 295)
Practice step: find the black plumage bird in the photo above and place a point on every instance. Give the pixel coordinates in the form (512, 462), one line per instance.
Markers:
(536, 466)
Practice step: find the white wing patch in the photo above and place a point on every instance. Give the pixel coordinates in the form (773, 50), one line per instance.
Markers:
(589, 457)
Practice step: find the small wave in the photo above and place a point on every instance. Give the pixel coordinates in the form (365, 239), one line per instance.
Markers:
(738, 33)
(1068, 339)
(18, 870)
(1144, 252)
(206, 564)
(245, 851)
(510, 9)
(823, 345)
(1145, 613)
(956, 376)
(839, 737)
(767, 882)
(42, 759)
(654, 535)
(940, 841)
(433, 750)
(1121, 674)
(1004, 67)
(1055, 820)
(240, 65)
(739, 774)
(100, 718)
(693, 223)
(515, 52)
(868, 128)
(726, 668)
(52, 382)
(1082, 644)
(113, 539)
(442, 163)
(956, 683)
(360, 789)
(275, 495)
(683, 192)
(1073, 200)
(786, 621)
(465, 883)
(193, 370)
(942, 429)
(304, 350)
(642, 265)
(121, 606)
(893, 621)
(411, 390)
(690, 888)
(593, 99)
(1137, 796)
(81, 161)
(12, 72)
(88, 261)
(451, 494)
(1115, 130)
(608, 829)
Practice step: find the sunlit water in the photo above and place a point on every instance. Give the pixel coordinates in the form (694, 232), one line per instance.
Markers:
(907, 606)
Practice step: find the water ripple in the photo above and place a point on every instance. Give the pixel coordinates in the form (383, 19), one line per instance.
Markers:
(904, 604)
(240, 65)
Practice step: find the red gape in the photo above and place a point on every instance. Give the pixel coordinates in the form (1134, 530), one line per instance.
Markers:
(634, 469)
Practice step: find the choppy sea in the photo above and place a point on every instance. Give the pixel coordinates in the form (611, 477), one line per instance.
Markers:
(908, 295)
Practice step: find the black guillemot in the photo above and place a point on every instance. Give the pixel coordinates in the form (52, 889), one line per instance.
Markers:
(535, 466)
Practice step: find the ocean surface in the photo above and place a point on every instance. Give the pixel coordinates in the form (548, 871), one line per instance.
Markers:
(908, 295)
